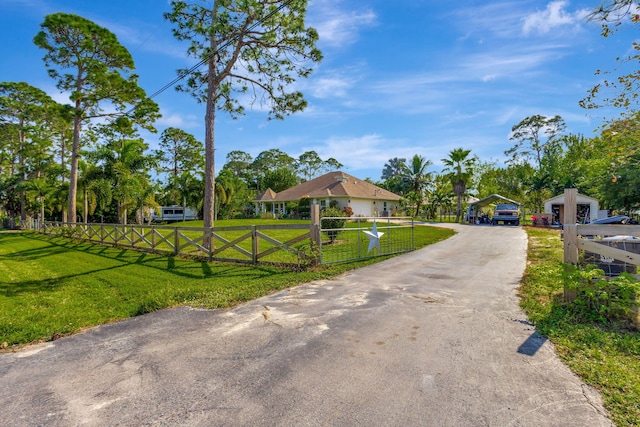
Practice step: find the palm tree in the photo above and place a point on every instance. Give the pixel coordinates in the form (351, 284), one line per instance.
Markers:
(393, 167)
(191, 190)
(58, 199)
(417, 178)
(459, 169)
(440, 200)
(38, 187)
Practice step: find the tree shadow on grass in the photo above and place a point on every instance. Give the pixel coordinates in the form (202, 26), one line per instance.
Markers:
(122, 258)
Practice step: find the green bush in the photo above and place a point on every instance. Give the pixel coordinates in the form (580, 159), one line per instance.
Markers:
(598, 299)
(333, 219)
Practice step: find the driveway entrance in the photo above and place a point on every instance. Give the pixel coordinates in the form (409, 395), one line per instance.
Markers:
(430, 338)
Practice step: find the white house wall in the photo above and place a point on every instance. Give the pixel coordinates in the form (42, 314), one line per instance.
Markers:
(361, 207)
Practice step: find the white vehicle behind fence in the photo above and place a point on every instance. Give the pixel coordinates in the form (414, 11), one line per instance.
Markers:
(173, 213)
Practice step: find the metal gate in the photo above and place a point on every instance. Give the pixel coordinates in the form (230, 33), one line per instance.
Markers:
(348, 239)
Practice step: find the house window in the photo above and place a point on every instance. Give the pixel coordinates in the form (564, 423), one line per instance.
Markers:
(323, 203)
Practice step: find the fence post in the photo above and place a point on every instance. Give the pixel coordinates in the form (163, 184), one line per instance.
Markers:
(570, 206)
(255, 247)
(359, 241)
(315, 230)
(210, 247)
(570, 232)
(176, 241)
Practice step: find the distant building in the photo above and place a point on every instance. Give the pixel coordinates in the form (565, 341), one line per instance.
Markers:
(588, 208)
(364, 198)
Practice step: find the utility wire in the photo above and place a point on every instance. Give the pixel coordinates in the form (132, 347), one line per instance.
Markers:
(206, 59)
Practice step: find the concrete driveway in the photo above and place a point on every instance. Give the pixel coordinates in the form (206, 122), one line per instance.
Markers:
(431, 338)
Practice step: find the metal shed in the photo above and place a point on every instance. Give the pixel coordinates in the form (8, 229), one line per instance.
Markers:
(475, 207)
(588, 208)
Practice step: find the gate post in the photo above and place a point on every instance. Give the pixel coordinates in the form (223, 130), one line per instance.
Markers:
(570, 206)
(570, 232)
(255, 247)
(315, 229)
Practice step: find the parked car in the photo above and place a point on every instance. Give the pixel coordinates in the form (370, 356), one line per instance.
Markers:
(507, 213)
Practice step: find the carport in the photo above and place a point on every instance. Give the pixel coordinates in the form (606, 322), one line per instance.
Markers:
(474, 211)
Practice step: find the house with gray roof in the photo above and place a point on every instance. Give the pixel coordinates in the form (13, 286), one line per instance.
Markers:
(364, 198)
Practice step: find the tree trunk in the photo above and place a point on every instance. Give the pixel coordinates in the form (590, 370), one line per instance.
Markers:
(73, 178)
(209, 139)
(23, 175)
(459, 189)
(62, 155)
(85, 206)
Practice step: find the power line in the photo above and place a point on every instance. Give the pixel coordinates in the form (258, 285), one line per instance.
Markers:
(206, 58)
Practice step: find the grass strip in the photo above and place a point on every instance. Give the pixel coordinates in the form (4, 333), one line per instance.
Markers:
(605, 356)
(51, 286)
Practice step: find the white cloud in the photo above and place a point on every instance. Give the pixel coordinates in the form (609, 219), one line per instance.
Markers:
(480, 21)
(178, 120)
(335, 25)
(360, 152)
(138, 36)
(553, 17)
(495, 64)
(326, 87)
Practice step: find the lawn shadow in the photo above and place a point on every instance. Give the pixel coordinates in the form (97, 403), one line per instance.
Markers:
(181, 267)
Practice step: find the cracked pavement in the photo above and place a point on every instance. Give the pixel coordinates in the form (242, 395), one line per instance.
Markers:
(430, 338)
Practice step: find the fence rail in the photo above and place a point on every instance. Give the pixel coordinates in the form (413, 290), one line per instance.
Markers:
(292, 244)
(604, 245)
(246, 244)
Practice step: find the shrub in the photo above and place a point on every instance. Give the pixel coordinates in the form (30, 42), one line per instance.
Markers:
(598, 299)
(348, 211)
(333, 219)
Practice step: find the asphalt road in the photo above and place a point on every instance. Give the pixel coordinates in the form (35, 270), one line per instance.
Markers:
(431, 338)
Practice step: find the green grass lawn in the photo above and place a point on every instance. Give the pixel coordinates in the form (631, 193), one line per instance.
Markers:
(52, 286)
(605, 356)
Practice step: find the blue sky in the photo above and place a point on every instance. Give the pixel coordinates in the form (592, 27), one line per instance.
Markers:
(398, 77)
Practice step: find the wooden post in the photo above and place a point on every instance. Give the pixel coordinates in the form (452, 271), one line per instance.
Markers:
(570, 232)
(316, 242)
(211, 245)
(255, 247)
(570, 244)
(570, 206)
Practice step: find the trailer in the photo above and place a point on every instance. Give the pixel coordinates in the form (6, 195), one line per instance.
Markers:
(173, 214)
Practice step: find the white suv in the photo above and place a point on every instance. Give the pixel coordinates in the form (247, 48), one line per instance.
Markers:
(507, 213)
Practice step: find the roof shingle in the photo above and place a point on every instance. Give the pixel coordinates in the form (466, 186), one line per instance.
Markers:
(332, 184)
